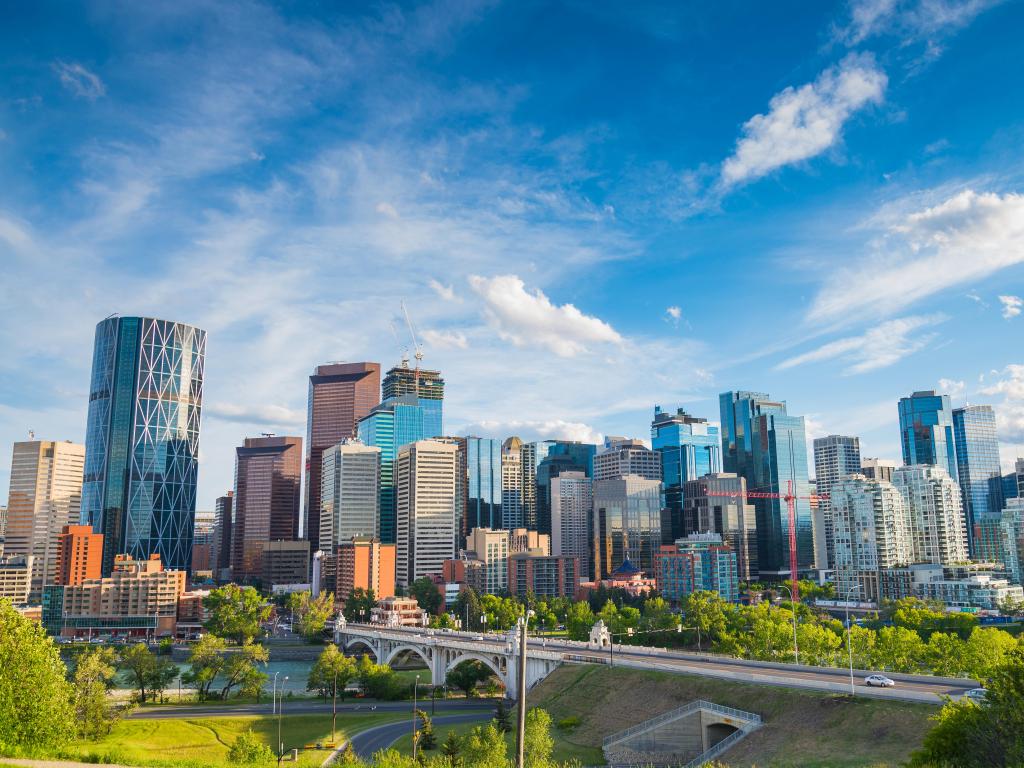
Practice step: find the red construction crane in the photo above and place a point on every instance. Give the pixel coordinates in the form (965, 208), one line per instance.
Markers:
(791, 504)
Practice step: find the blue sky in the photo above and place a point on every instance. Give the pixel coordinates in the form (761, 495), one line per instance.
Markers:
(589, 208)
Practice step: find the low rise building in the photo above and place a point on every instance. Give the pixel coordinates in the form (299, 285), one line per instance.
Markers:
(699, 562)
(399, 612)
(285, 562)
(192, 614)
(543, 575)
(15, 578)
(968, 585)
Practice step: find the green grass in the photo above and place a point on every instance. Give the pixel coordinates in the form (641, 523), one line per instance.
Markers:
(802, 728)
(194, 742)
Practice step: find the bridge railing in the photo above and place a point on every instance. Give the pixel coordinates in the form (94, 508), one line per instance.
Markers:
(720, 748)
(749, 718)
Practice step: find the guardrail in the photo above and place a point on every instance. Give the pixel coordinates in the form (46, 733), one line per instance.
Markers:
(716, 750)
(749, 718)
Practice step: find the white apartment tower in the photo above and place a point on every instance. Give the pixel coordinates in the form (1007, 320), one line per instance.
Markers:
(491, 549)
(425, 483)
(45, 495)
(349, 494)
(572, 504)
(935, 513)
(835, 457)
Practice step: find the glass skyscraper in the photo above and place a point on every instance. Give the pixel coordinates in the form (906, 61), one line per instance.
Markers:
(980, 475)
(483, 496)
(765, 445)
(553, 457)
(427, 390)
(689, 448)
(142, 438)
(926, 431)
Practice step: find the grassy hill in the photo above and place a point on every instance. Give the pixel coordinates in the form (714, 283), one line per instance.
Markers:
(802, 728)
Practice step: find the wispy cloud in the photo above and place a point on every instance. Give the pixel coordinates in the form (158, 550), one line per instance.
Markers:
(79, 80)
(1009, 386)
(908, 20)
(1012, 306)
(674, 315)
(953, 387)
(444, 339)
(446, 292)
(803, 122)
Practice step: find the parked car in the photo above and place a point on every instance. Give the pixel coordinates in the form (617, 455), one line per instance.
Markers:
(879, 680)
(977, 695)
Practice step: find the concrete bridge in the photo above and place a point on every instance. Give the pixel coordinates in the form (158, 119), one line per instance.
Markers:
(442, 651)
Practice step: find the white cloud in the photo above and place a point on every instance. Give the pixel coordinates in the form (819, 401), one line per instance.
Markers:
(910, 20)
(964, 238)
(445, 339)
(803, 122)
(526, 318)
(386, 209)
(879, 347)
(272, 415)
(674, 315)
(79, 80)
(529, 431)
(1012, 305)
(1010, 412)
(446, 292)
(953, 387)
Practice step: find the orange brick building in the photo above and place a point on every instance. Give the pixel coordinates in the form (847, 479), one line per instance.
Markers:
(365, 564)
(79, 555)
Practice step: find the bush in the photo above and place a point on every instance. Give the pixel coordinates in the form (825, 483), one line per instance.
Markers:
(249, 750)
(569, 723)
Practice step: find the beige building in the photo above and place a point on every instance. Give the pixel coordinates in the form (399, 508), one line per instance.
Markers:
(398, 612)
(491, 548)
(425, 481)
(523, 540)
(45, 495)
(15, 578)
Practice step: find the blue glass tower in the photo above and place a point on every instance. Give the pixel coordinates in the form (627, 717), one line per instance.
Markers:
(483, 489)
(427, 389)
(396, 422)
(926, 431)
(142, 438)
(553, 457)
(765, 445)
(689, 448)
(980, 475)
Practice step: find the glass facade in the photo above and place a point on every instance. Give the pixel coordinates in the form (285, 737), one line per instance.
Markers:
(553, 457)
(926, 431)
(483, 467)
(977, 460)
(765, 445)
(425, 387)
(627, 523)
(142, 438)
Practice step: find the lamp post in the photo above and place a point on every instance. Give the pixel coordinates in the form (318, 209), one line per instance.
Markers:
(280, 708)
(273, 696)
(792, 603)
(415, 690)
(334, 708)
(849, 637)
(521, 704)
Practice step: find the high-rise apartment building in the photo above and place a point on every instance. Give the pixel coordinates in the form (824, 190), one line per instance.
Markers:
(766, 446)
(926, 431)
(425, 482)
(1012, 535)
(717, 504)
(483, 484)
(395, 422)
(427, 390)
(553, 458)
(490, 547)
(79, 555)
(835, 457)
(512, 492)
(340, 394)
(622, 456)
(45, 496)
(268, 473)
(689, 448)
(220, 549)
(142, 439)
(878, 469)
(936, 517)
(365, 564)
(980, 476)
(572, 505)
(626, 524)
(543, 576)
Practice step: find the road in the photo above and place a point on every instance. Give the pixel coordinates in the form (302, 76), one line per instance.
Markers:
(307, 708)
(372, 740)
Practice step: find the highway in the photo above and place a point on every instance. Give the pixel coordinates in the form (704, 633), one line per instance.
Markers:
(381, 737)
(481, 708)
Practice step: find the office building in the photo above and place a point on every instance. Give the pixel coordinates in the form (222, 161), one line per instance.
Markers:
(15, 578)
(871, 529)
(523, 539)
(544, 576)
(878, 469)
(202, 542)
(268, 473)
(45, 496)
(572, 505)
(483, 484)
(79, 555)
(980, 476)
(699, 562)
(835, 457)
(490, 548)
(935, 513)
(765, 445)
(425, 387)
(220, 547)
(395, 422)
(718, 504)
(689, 448)
(425, 500)
(340, 394)
(350, 494)
(284, 563)
(554, 457)
(512, 483)
(622, 456)
(926, 431)
(142, 439)
(365, 564)
(626, 523)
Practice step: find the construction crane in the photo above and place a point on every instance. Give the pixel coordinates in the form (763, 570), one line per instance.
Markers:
(790, 499)
(403, 347)
(417, 349)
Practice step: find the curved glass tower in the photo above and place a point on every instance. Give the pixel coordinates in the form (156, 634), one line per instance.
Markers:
(142, 439)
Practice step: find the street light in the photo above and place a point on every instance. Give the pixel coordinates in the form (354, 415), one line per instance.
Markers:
(792, 604)
(849, 635)
(273, 696)
(521, 731)
(415, 690)
(334, 708)
(280, 708)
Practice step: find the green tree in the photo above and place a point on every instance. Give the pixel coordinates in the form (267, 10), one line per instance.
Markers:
(359, 604)
(899, 649)
(537, 742)
(427, 595)
(705, 611)
(332, 668)
(310, 614)
(485, 747)
(379, 681)
(985, 650)
(819, 646)
(451, 747)
(35, 697)
(443, 621)
(946, 654)
(579, 621)
(502, 717)
(241, 670)
(425, 738)
(206, 662)
(468, 608)
(467, 675)
(95, 674)
(862, 642)
(236, 613)
(148, 673)
(771, 637)
(249, 749)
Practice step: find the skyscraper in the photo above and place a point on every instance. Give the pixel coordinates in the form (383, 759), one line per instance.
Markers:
(491, 548)
(142, 439)
(622, 456)
(220, 550)
(340, 394)
(935, 513)
(572, 504)
(79, 555)
(512, 483)
(45, 496)
(268, 474)
(483, 496)
(350, 494)
(553, 458)
(765, 445)
(689, 448)
(425, 490)
(980, 476)
(202, 540)
(717, 504)
(877, 469)
(626, 523)
(926, 431)
(835, 457)
(427, 389)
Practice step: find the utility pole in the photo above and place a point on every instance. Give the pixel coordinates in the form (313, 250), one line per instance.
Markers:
(521, 735)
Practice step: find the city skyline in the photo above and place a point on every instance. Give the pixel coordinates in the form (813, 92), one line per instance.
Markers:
(572, 253)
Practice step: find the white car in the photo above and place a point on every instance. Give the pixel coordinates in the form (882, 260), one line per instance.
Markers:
(880, 680)
(977, 695)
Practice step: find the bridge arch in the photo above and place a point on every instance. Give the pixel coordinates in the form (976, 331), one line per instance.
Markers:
(400, 649)
(357, 641)
(461, 656)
